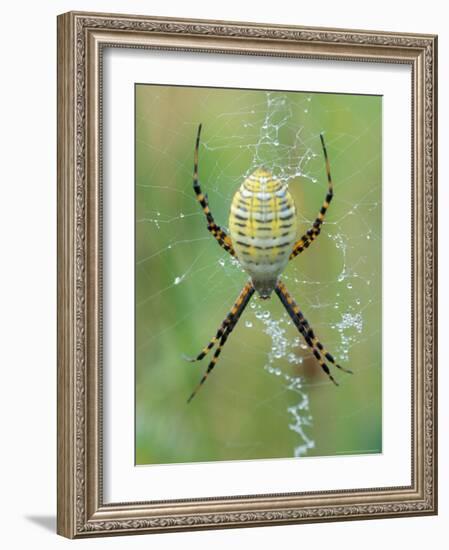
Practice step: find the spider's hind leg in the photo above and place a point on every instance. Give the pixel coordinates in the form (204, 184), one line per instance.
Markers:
(223, 333)
(318, 344)
(211, 364)
(221, 330)
(317, 348)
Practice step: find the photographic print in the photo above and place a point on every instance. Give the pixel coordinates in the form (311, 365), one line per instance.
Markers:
(246, 274)
(258, 274)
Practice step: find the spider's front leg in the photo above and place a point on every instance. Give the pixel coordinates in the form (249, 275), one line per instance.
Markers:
(318, 350)
(223, 239)
(311, 234)
(225, 329)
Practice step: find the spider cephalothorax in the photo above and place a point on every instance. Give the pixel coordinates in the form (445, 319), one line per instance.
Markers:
(262, 227)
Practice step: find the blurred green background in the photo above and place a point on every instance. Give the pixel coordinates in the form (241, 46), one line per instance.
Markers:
(267, 397)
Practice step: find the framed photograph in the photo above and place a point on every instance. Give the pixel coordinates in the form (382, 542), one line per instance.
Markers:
(246, 274)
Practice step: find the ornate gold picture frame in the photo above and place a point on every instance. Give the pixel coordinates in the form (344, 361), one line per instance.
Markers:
(83, 510)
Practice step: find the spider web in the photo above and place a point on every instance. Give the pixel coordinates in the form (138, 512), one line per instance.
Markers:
(340, 299)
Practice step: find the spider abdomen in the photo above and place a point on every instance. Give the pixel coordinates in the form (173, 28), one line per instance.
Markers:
(262, 226)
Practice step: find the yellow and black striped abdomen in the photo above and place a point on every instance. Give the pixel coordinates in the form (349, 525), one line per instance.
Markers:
(262, 224)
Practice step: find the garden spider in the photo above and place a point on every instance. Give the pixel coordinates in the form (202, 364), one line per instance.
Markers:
(262, 227)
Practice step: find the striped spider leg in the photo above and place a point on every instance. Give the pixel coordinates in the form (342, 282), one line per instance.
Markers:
(307, 332)
(225, 329)
(290, 305)
(311, 234)
(220, 234)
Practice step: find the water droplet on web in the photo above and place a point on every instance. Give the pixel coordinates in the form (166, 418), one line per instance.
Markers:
(276, 143)
(349, 285)
(178, 280)
(253, 305)
(294, 359)
(357, 302)
(221, 262)
(248, 324)
(266, 315)
(314, 180)
(181, 215)
(169, 246)
(306, 110)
